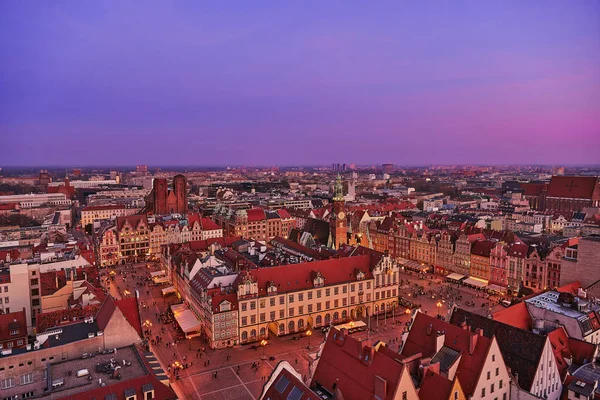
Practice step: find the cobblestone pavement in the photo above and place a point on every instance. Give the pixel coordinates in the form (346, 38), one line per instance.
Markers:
(235, 378)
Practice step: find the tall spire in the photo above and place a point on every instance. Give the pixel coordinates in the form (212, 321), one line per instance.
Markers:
(338, 188)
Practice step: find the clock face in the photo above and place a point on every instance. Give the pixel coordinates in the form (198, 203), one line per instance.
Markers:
(341, 215)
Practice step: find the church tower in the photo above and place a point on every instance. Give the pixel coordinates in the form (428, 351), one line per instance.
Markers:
(338, 225)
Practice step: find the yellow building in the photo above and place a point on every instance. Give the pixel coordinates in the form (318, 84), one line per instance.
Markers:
(294, 298)
(90, 214)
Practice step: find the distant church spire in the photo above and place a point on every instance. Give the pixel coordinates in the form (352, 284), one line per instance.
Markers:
(338, 188)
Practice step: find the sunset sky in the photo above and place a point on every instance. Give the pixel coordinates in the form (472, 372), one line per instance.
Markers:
(304, 82)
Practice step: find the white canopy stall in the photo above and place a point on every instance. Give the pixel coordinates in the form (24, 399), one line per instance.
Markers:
(169, 290)
(156, 274)
(476, 282)
(161, 280)
(186, 320)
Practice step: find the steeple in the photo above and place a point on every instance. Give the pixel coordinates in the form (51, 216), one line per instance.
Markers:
(338, 188)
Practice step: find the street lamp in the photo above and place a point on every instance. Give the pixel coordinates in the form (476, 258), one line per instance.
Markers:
(263, 343)
(439, 306)
(309, 334)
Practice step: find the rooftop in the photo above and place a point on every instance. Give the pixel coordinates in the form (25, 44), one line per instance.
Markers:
(101, 380)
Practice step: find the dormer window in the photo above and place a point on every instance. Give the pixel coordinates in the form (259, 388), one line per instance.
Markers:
(319, 281)
(360, 275)
(272, 288)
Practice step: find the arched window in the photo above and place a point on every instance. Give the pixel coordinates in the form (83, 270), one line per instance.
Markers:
(262, 332)
(336, 316)
(318, 320)
(327, 318)
(291, 326)
(253, 333)
(244, 336)
(344, 314)
(300, 324)
(281, 329)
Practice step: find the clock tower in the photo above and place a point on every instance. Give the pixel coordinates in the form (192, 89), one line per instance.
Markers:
(338, 225)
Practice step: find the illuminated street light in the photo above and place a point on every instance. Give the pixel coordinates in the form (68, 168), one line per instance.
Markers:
(439, 306)
(263, 343)
(309, 334)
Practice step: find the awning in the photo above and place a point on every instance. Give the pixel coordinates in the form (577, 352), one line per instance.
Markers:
(415, 266)
(497, 288)
(186, 319)
(157, 273)
(455, 277)
(480, 283)
(163, 279)
(168, 290)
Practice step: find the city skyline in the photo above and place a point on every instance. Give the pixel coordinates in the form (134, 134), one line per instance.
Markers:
(280, 84)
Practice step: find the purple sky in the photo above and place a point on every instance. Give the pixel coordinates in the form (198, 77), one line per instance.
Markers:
(197, 83)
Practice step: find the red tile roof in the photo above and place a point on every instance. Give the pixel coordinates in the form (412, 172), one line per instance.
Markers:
(13, 321)
(161, 391)
(256, 214)
(283, 214)
(131, 312)
(209, 225)
(470, 365)
(515, 315)
(105, 312)
(482, 248)
(435, 387)
(574, 187)
(533, 189)
(134, 221)
(295, 277)
(355, 369)
(572, 288)
(48, 320)
(13, 254)
(193, 218)
(565, 348)
(8, 206)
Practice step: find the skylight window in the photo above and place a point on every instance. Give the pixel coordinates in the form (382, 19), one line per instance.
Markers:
(282, 384)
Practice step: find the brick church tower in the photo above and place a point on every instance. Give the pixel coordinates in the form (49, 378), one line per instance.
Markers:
(180, 189)
(338, 225)
(159, 195)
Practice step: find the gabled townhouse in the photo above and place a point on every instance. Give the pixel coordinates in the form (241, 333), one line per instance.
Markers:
(529, 356)
(354, 371)
(471, 357)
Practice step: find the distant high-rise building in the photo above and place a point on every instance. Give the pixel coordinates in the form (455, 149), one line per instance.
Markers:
(44, 178)
(77, 172)
(141, 168)
(388, 168)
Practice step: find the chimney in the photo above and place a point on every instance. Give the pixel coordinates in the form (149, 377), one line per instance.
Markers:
(56, 280)
(472, 343)
(380, 388)
(439, 340)
(429, 329)
(369, 354)
(479, 331)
